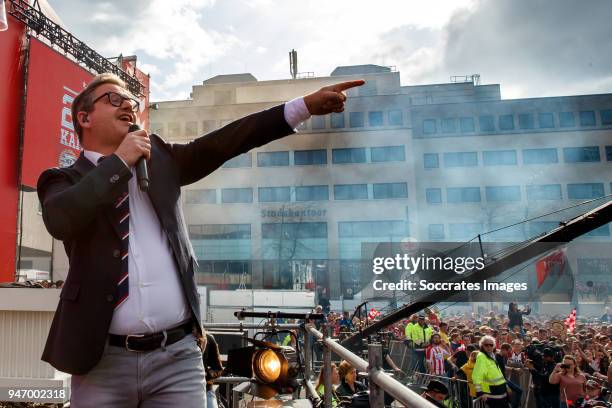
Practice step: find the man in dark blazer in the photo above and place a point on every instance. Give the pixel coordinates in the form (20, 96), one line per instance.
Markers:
(128, 316)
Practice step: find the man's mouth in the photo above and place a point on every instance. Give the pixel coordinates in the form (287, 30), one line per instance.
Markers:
(126, 118)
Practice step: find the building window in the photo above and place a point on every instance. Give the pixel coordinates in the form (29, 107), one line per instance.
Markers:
(395, 118)
(387, 154)
(433, 195)
(390, 190)
(546, 120)
(506, 122)
(499, 158)
(429, 126)
(448, 125)
(244, 160)
(487, 123)
(371, 229)
(237, 195)
(566, 119)
(213, 242)
(318, 122)
(270, 159)
(294, 240)
(606, 117)
(461, 159)
(436, 231)
(526, 121)
(375, 118)
(337, 120)
(174, 129)
(544, 192)
(587, 118)
(191, 129)
(503, 193)
(464, 231)
(581, 154)
(309, 157)
(349, 155)
(467, 125)
(581, 191)
(274, 194)
(431, 160)
(356, 119)
(205, 196)
(540, 156)
(537, 228)
(294, 230)
(463, 194)
(351, 192)
(609, 153)
(603, 231)
(312, 193)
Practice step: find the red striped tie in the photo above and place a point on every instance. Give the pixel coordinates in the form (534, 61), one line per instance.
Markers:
(121, 210)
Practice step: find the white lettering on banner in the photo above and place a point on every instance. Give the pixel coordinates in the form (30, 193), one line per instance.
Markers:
(67, 136)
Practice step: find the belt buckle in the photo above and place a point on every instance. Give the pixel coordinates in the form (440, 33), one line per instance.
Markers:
(127, 339)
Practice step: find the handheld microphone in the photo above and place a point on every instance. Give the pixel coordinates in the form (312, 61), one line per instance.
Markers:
(141, 166)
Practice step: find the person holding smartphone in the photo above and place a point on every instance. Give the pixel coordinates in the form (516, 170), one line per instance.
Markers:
(571, 381)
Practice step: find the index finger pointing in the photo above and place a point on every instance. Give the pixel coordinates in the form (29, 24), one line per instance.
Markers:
(343, 86)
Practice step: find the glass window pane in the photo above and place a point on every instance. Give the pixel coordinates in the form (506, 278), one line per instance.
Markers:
(375, 118)
(587, 118)
(487, 124)
(271, 159)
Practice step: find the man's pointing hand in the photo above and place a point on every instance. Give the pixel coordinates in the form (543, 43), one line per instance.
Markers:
(330, 98)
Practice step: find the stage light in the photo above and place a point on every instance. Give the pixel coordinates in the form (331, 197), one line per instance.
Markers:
(272, 369)
(267, 365)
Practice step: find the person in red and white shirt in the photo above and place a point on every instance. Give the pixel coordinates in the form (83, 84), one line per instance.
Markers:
(436, 354)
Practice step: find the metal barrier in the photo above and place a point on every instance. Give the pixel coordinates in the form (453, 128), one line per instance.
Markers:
(230, 381)
(380, 382)
(458, 389)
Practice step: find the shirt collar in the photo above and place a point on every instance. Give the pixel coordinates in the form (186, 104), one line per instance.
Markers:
(92, 156)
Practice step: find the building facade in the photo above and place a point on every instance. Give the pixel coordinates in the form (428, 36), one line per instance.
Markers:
(441, 162)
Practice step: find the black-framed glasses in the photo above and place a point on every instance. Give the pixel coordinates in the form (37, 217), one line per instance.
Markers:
(116, 99)
(488, 345)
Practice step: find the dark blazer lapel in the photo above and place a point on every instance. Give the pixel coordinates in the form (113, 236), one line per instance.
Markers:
(84, 166)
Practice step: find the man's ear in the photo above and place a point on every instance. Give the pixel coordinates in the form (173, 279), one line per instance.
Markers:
(83, 119)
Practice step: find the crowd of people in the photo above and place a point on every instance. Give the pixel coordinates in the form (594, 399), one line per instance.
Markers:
(487, 354)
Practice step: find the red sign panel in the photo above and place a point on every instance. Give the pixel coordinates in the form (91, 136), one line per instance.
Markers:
(11, 94)
(49, 137)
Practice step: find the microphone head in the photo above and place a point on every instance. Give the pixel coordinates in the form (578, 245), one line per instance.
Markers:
(133, 127)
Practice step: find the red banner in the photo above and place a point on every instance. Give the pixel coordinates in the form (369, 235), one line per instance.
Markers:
(49, 137)
(11, 94)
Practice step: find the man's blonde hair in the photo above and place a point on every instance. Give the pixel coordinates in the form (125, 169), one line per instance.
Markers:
(84, 100)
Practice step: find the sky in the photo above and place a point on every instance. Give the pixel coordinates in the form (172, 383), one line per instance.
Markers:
(532, 48)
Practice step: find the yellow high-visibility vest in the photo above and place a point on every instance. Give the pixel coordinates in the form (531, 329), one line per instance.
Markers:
(486, 373)
(420, 336)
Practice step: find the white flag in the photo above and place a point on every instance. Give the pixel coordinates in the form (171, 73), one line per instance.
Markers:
(3, 20)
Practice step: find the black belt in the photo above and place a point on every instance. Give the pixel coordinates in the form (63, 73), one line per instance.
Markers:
(148, 342)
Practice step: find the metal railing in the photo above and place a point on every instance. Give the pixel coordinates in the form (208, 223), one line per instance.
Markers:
(379, 381)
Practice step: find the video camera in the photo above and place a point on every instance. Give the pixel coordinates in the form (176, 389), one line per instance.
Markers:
(535, 352)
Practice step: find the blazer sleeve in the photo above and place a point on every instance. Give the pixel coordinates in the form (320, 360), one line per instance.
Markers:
(70, 203)
(205, 154)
